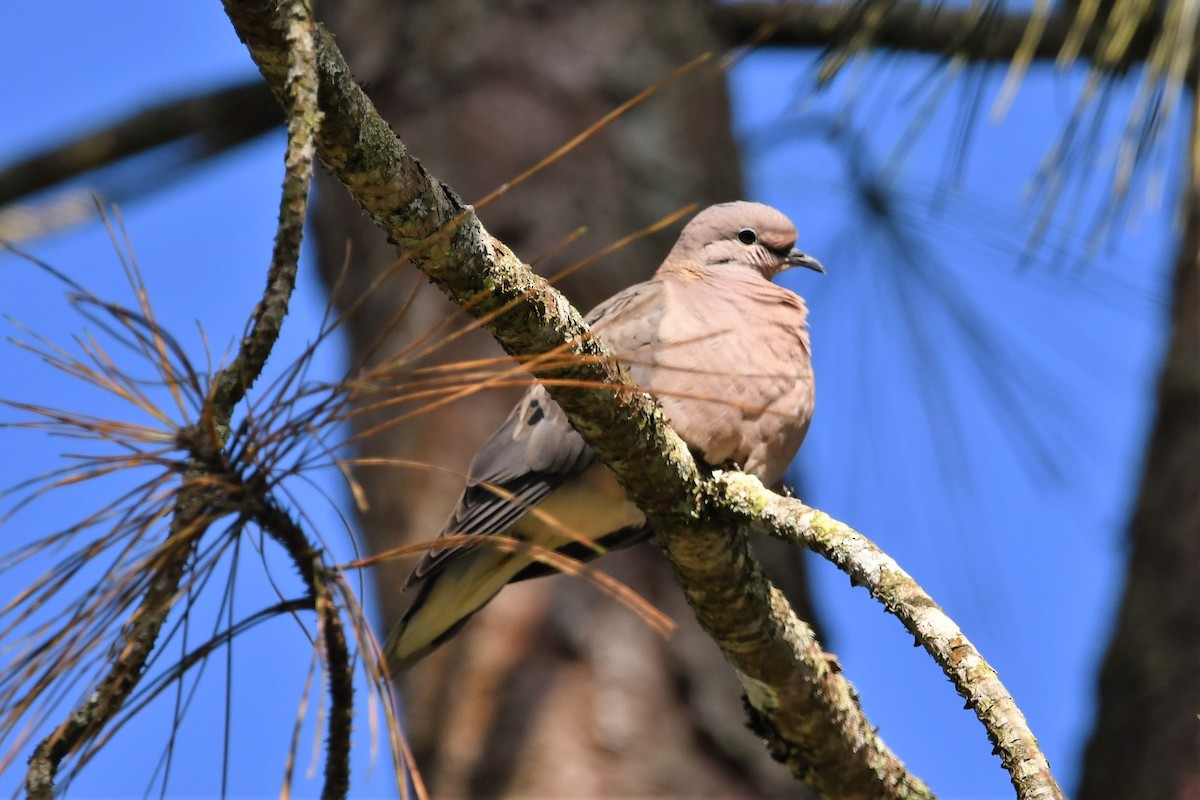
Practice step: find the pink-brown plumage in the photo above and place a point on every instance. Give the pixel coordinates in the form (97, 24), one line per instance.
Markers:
(727, 354)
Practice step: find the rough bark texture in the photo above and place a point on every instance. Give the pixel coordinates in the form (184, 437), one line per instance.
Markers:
(874, 570)
(1146, 743)
(554, 690)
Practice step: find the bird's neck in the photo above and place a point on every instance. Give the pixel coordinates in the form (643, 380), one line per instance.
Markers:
(689, 270)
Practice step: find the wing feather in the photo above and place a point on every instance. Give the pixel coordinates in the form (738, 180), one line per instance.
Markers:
(535, 450)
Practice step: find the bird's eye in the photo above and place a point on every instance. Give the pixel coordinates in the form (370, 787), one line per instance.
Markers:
(747, 236)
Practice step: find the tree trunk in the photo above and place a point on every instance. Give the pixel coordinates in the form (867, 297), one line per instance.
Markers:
(1146, 743)
(554, 690)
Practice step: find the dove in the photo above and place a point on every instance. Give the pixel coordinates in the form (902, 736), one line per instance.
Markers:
(722, 348)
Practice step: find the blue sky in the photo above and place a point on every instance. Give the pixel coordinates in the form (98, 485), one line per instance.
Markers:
(1001, 481)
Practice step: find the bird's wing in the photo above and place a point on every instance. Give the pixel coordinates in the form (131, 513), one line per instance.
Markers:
(535, 451)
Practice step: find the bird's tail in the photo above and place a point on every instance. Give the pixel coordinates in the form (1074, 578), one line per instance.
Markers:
(445, 601)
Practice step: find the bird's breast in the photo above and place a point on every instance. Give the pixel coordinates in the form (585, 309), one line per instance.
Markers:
(731, 367)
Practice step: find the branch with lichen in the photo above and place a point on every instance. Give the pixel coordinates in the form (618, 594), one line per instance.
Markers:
(806, 711)
(191, 519)
(748, 503)
(209, 490)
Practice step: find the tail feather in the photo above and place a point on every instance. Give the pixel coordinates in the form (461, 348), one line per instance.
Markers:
(445, 601)
(619, 540)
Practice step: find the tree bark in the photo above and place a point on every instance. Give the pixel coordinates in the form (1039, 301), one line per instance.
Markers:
(554, 690)
(1146, 742)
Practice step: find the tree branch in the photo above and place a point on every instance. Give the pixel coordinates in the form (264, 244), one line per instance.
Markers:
(303, 122)
(217, 119)
(790, 520)
(226, 117)
(192, 517)
(319, 577)
(913, 26)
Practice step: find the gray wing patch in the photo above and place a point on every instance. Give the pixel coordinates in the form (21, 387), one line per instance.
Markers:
(536, 450)
(533, 452)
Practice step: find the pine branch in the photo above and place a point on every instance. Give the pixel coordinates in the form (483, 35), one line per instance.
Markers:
(210, 486)
(217, 120)
(224, 118)
(914, 26)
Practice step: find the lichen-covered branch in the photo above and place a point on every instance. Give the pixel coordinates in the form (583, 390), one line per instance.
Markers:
(797, 700)
(787, 518)
(192, 517)
(303, 121)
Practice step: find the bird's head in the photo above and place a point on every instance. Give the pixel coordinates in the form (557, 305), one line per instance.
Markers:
(740, 233)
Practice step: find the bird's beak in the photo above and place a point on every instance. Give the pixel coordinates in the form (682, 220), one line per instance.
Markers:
(797, 259)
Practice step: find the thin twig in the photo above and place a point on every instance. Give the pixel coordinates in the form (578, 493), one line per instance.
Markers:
(192, 518)
(304, 119)
(320, 578)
